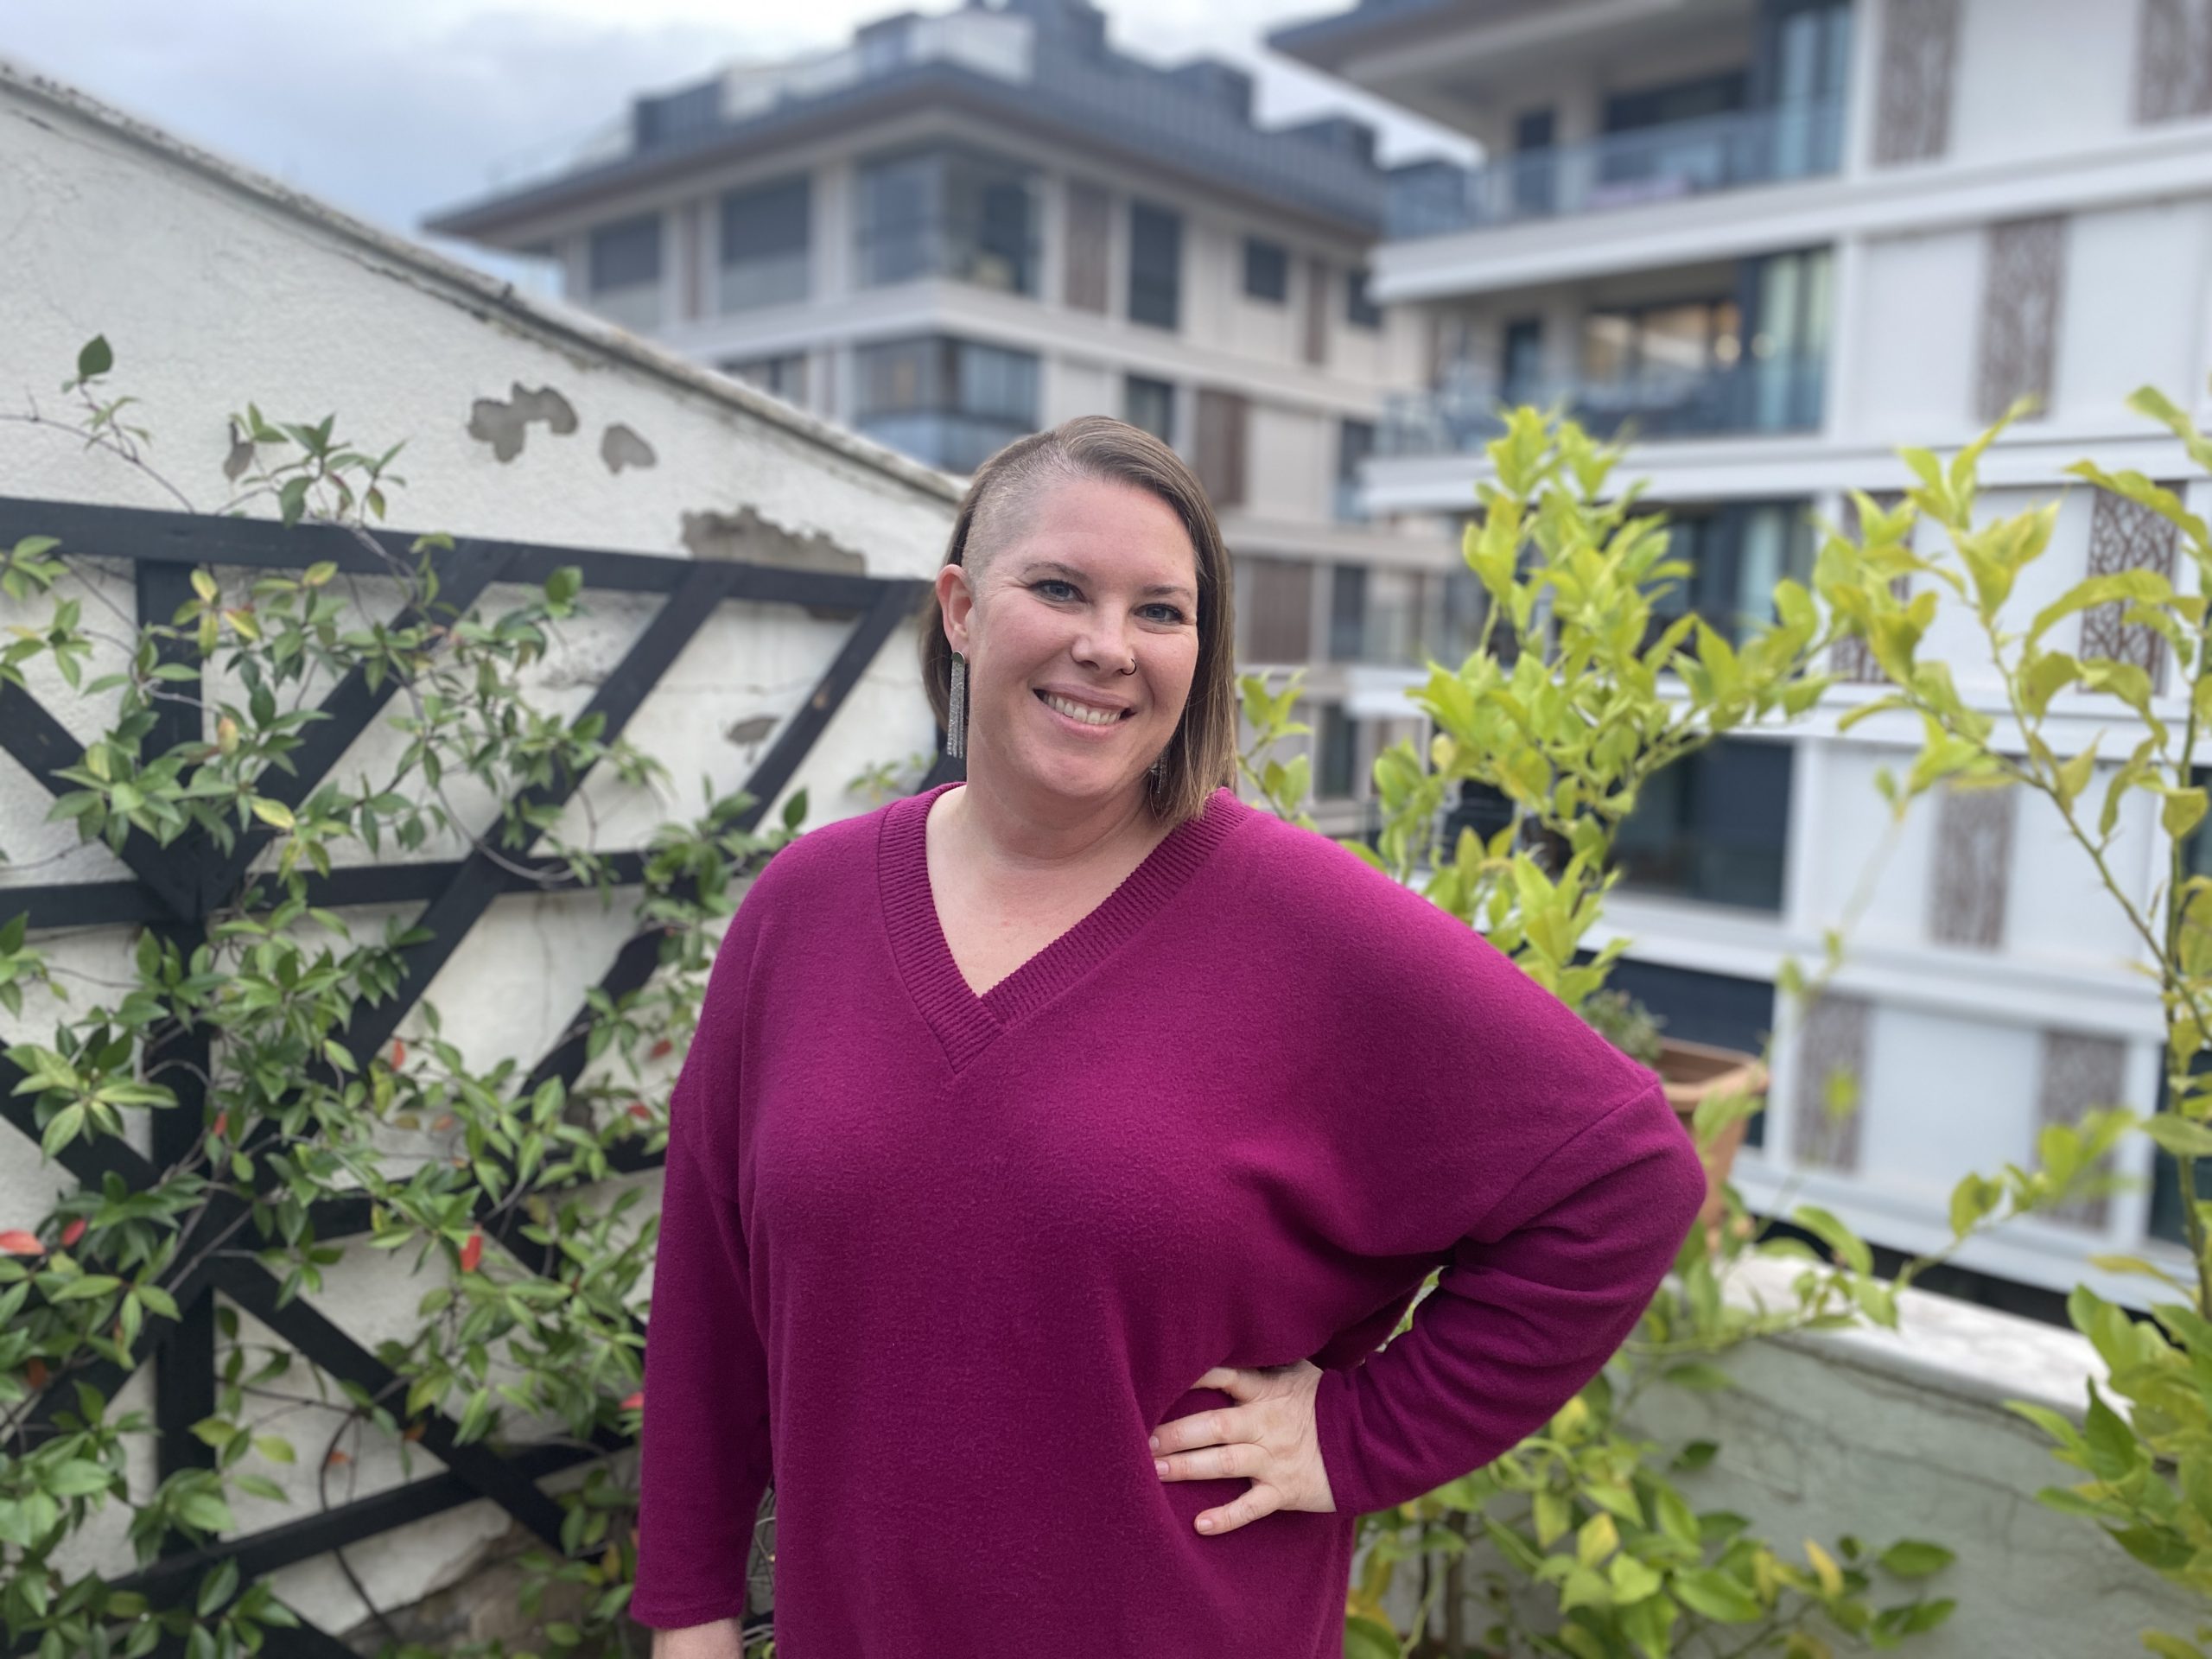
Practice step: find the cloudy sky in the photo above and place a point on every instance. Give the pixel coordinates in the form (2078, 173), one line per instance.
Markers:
(394, 110)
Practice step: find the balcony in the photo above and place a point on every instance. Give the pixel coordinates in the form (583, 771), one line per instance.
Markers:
(1624, 170)
(1770, 394)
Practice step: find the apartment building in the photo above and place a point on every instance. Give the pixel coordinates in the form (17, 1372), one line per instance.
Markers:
(963, 226)
(1772, 240)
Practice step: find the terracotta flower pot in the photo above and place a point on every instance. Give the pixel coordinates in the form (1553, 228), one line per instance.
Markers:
(1693, 1070)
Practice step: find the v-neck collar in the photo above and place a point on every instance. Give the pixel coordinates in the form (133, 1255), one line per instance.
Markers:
(965, 1022)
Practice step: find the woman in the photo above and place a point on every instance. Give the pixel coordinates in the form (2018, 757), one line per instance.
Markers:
(1054, 1149)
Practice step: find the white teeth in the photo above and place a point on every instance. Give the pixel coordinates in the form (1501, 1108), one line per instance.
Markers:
(1076, 711)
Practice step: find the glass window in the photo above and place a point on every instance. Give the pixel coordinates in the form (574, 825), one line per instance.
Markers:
(783, 376)
(625, 254)
(1347, 613)
(947, 211)
(1155, 265)
(1713, 826)
(1737, 554)
(1355, 443)
(1332, 781)
(1267, 271)
(1275, 601)
(1150, 404)
(951, 402)
(766, 232)
(1523, 354)
(1360, 311)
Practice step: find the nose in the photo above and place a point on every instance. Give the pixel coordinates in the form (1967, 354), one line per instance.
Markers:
(1103, 645)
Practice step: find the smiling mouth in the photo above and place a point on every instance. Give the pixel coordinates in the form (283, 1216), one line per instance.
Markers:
(1090, 716)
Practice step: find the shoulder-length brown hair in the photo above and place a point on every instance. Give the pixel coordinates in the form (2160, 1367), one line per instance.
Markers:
(1202, 755)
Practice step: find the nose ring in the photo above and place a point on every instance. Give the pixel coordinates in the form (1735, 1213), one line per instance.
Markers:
(1132, 668)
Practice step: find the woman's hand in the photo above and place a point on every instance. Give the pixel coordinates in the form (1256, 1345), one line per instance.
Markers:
(1268, 1437)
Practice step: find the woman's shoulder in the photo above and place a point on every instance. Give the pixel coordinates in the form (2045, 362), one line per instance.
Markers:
(835, 854)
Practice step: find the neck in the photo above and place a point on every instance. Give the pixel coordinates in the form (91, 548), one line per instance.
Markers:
(1017, 831)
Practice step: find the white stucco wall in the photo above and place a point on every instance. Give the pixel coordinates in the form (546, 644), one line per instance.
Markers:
(214, 288)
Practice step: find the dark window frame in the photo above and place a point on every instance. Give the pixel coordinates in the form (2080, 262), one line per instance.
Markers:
(1155, 265)
(619, 245)
(1360, 311)
(1267, 271)
(1131, 384)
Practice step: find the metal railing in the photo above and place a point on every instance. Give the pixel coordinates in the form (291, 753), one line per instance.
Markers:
(1773, 394)
(1624, 170)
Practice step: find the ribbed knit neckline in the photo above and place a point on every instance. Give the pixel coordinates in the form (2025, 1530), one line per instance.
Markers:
(965, 1022)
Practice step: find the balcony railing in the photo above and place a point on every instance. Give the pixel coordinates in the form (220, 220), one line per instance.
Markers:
(1773, 394)
(1625, 169)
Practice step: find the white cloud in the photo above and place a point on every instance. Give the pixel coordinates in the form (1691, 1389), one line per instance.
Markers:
(394, 111)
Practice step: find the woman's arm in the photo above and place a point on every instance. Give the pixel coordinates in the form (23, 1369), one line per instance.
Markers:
(1535, 1301)
(717, 1641)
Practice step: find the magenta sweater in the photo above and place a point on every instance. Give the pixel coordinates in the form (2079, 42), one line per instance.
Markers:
(934, 1265)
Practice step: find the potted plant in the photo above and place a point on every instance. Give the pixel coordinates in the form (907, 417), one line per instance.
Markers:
(1693, 1073)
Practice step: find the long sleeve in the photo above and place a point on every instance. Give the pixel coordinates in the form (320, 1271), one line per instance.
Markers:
(704, 1458)
(1530, 1307)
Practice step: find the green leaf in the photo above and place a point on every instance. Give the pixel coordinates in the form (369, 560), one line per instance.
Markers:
(219, 1586)
(1915, 1558)
(94, 357)
(2178, 1136)
(1711, 1592)
(1697, 1374)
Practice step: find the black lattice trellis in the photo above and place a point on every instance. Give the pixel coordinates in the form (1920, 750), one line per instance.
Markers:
(173, 889)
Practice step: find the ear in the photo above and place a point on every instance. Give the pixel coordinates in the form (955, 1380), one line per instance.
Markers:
(956, 601)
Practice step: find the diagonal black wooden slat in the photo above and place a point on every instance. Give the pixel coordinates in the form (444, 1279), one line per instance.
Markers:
(807, 723)
(454, 910)
(351, 705)
(323, 1343)
(42, 746)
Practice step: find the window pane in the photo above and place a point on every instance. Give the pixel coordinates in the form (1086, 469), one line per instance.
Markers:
(1267, 271)
(1150, 404)
(1355, 444)
(1713, 826)
(1334, 779)
(1359, 310)
(625, 254)
(765, 236)
(1608, 345)
(1347, 613)
(1155, 265)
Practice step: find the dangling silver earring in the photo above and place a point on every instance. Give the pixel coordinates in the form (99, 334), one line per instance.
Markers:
(955, 716)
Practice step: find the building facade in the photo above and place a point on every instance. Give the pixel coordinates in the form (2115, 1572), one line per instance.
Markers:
(962, 227)
(1773, 240)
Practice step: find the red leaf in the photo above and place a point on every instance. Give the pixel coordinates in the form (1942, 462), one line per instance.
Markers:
(639, 1109)
(36, 1371)
(636, 1401)
(472, 1253)
(412, 1432)
(398, 1054)
(337, 1457)
(73, 1232)
(662, 1047)
(16, 1242)
(222, 1122)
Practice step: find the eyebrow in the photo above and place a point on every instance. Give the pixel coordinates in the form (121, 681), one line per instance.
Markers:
(1039, 566)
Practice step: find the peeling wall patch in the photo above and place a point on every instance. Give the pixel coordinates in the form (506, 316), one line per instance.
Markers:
(751, 731)
(746, 537)
(504, 425)
(621, 447)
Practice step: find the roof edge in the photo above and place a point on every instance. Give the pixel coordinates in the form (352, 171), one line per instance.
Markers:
(560, 321)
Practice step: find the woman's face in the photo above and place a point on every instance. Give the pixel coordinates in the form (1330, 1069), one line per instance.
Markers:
(1093, 601)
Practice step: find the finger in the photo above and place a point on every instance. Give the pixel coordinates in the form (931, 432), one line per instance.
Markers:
(1213, 1462)
(1255, 1502)
(1233, 1379)
(1217, 1428)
